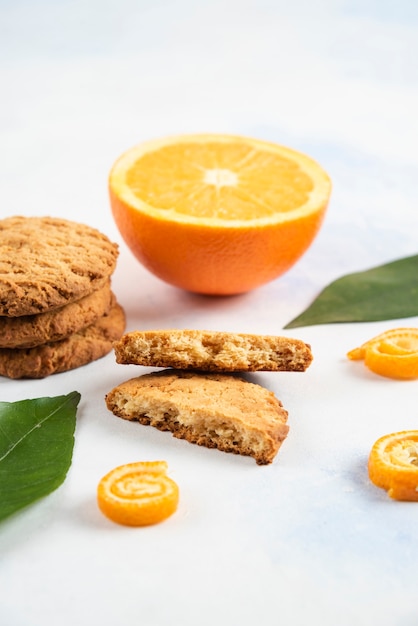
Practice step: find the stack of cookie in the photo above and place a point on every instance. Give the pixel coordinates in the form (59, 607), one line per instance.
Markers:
(57, 308)
(200, 398)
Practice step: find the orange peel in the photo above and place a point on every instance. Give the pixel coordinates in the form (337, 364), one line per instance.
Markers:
(393, 354)
(138, 494)
(393, 464)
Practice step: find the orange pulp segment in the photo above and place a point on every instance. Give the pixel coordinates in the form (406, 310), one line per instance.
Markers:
(393, 464)
(393, 354)
(217, 214)
(138, 494)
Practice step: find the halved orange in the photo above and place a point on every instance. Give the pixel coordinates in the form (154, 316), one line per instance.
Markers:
(217, 214)
(138, 494)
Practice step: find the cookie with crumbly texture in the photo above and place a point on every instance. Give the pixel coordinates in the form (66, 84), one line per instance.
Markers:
(47, 262)
(87, 345)
(213, 351)
(220, 411)
(27, 331)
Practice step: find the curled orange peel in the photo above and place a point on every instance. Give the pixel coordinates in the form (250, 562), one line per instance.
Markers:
(393, 354)
(393, 465)
(138, 494)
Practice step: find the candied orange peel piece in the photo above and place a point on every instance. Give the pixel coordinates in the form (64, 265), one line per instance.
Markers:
(393, 354)
(393, 464)
(138, 494)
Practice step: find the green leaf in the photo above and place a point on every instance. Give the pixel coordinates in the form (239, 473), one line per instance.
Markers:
(385, 292)
(36, 448)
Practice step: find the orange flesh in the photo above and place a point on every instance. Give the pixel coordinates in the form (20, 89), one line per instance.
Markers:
(218, 181)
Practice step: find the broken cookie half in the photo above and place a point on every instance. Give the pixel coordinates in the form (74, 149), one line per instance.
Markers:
(215, 410)
(213, 351)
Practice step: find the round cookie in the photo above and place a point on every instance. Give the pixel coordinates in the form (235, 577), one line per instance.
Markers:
(88, 345)
(46, 263)
(28, 331)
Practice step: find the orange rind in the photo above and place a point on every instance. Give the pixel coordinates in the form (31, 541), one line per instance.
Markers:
(138, 494)
(393, 465)
(393, 354)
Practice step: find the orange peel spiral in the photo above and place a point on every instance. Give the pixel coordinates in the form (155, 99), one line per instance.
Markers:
(138, 494)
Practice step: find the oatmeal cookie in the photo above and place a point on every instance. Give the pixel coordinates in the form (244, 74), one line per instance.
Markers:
(80, 348)
(220, 411)
(46, 263)
(213, 351)
(27, 331)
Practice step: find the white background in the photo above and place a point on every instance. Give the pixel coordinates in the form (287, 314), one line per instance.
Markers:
(306, 540)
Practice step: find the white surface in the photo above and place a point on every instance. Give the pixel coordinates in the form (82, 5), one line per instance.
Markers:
(306, 540)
